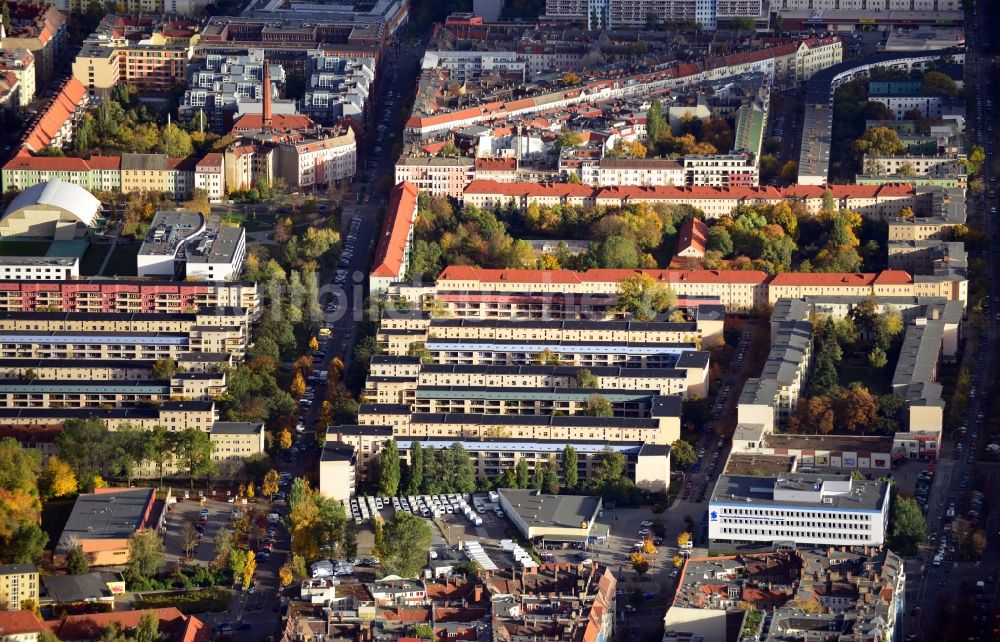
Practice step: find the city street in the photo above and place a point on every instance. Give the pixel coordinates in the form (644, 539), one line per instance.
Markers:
(935, 587)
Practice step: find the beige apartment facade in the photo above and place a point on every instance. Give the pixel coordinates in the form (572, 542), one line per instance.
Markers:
(19, 586)
(174, 415)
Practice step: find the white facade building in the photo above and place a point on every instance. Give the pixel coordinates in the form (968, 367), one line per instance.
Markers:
(210, 175)
(799, 509)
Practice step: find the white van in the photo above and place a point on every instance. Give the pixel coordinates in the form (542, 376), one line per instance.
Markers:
(322, 568)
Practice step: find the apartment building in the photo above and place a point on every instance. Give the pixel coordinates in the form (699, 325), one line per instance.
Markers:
(230, 319)
(224, 82)
(738, 291)
(339, 87)
(10, 90)
(436, 176)
(174, 415)
(396, 336)
(721, 170)
(97, 173)
(392, 253)
(210, 175)
(46, 393)
(39, 268)
(150, 336)
(188, 245)
(157, 173)
(57, 124)
(662, 426)
(308, 162)
(618, 14)
(799, 509)
(647, 464)
(874, 201)
(860, 590)
(120, 296)
(143, 51)
(20, 63)
(19, 586)
(109, 369)
(930, 105)
(42, 30)
(771, 397)
(233, 442)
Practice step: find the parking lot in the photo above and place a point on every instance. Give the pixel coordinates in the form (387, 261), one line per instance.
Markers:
(186, 512)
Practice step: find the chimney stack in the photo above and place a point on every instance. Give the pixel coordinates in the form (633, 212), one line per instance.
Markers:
(266, 119)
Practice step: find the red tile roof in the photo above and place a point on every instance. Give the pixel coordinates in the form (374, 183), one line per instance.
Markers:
(17, 622)
(61, 110)
(701, 192)
(847, 279)
(467, 273)
(175, 625)
(693, 234)
(495, 164)
(280, 123)
(395, 231)
(62, 164)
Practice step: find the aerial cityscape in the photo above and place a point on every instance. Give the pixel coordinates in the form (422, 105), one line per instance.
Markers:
(499, 321)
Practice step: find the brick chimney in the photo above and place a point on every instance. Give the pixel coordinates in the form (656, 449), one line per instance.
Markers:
(266, 119)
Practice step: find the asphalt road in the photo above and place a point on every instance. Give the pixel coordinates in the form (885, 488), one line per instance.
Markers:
(937, 592)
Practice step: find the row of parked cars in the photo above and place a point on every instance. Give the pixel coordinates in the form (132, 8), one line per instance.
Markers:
(365, 507)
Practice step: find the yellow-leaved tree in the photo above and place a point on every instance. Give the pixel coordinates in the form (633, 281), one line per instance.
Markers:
(58, 478)
(249, 569)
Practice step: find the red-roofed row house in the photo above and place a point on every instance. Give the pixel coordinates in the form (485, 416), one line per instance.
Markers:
(873, 201)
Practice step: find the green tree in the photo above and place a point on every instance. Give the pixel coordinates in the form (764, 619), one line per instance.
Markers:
(598, 406)
(586, 379)
(129, 447)
(84, 445)
(175, 142)
(388, 466)
(521, 473)
(656, 124)
(570, 461)
(194, 451)
(567, 138)
(76, 561)
(644, 298)
(161, 447)
(909, 528)
(164, 369)
(415, 481)
(538, 479)
(719, 240)
(682, 453)
(223, 547)
(461, 471)
(146, 556)
(148, 629)
(113, 633)
(407, 540)
(879, 141)
(877, 358)
(550, 481)
(5, 17)
(271, 483)
(936, 82)
(618, 252)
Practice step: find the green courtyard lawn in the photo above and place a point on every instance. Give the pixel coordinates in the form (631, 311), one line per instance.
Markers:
(856, 368)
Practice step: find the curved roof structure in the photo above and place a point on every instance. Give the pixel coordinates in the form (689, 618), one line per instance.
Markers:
(69, 197)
